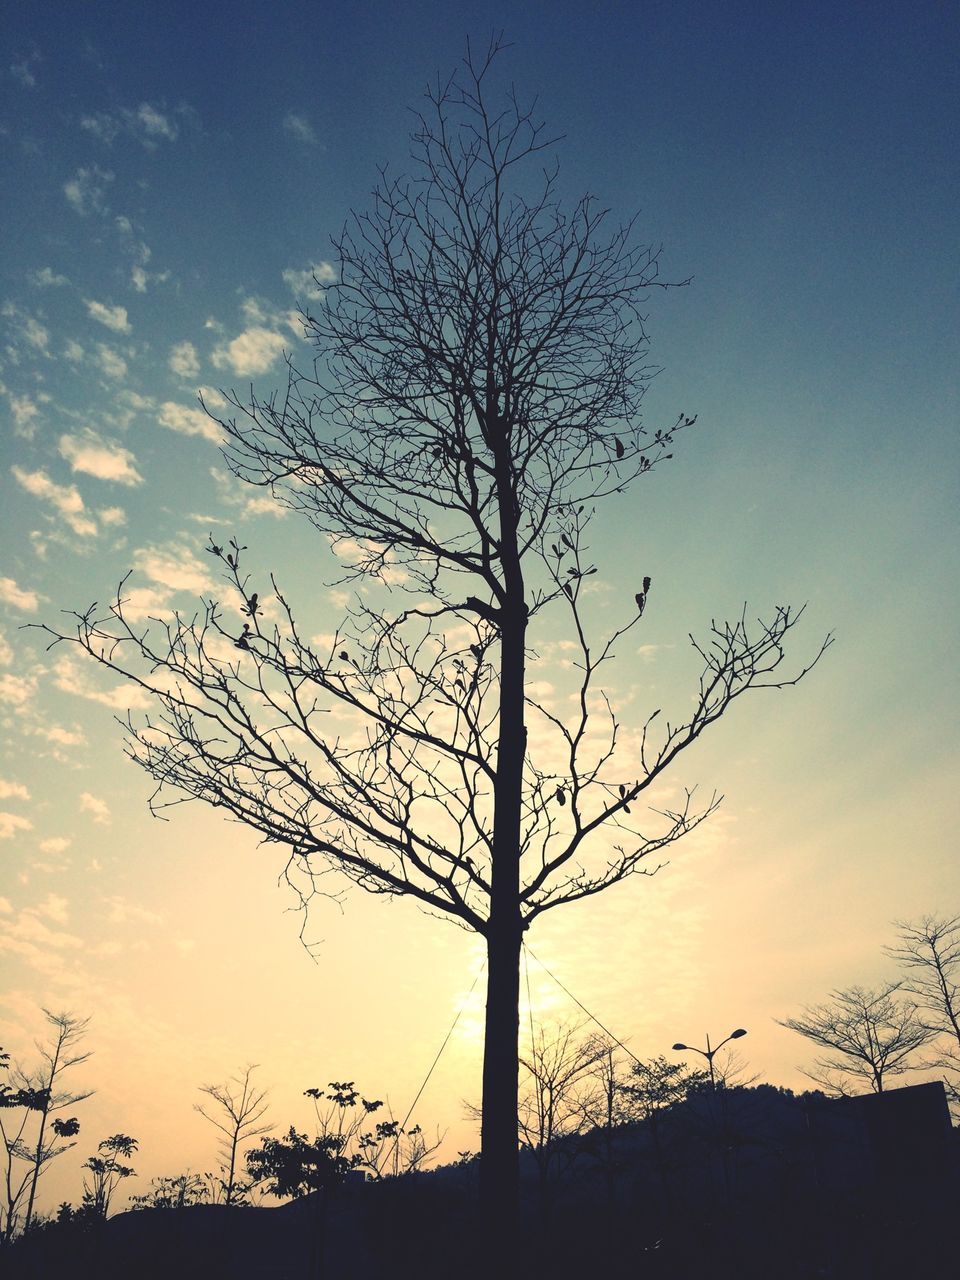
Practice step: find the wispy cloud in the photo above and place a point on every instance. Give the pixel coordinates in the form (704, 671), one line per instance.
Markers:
(70, 677)
(309, 279)
(47, 278)
(175, 566)
(65, 499)
(252, 352)
(98, 809)
(55, 844)
(17, 691)
(13, 790)
(25, 414)
(147, 123)
(104, 459)
(184, 361)
(18, 597)
(189, 421)
(299, 127)
(22, 69)
(86, 190)
(114, 318)
(12, 823)
(111, 362)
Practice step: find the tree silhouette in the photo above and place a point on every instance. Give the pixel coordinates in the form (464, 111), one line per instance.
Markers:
(37, 1093)
(869, 1034)
(476, 390)
(240, 1106)
(929, 950)
(107, 1172)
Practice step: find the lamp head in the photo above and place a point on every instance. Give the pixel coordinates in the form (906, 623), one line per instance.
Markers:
(735, 1035)
(681, 1046)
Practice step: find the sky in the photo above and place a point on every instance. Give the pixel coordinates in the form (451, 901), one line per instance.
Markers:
(173, 180)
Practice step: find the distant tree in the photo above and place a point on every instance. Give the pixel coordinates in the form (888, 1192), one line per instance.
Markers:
(929, 951)
(652, 1089)
(480, 366)
(36, 1094)
(560, 1097)
(347, 1138)
(240, 1106)
(870, 1036)
(107, 1172)
(177, 1192)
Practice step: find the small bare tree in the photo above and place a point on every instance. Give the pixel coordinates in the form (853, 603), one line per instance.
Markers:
(240, 1106)
(929, 950)
(559, 1097)
(869, 1035)
(37, 1094)
(476, 389)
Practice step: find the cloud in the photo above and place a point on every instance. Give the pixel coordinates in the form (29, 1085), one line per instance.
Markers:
(155, 124)
(47, 278)
(174, 566)
(70, 677)
(6, 653)
(140, 603)
(73, 351)
(86, 190)
(184, 361)
(114, 318)
(148, 124)
(11, 823)
(62, 737)
(251, 501)
(113, 517)
(310, 279)
(98, 809)
(25, 328)
(123, 912)
(18, 597)
(22, 69)
(104, 459)
(55, 844)
(111, 362)
(189, 421)
(299, 127)
(17, 690)
(252, 352)
(24, 413)
(13, 790)
(54, 907)
(65, 499)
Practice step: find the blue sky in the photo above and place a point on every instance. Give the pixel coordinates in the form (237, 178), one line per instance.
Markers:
(170, 178)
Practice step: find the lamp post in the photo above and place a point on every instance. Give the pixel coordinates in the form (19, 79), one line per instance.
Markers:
(709, 1052)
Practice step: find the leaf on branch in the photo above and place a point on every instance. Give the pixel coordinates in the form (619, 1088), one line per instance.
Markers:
(641, 600)
(646, 585)
(343, 655)
(618, 445)
(561, 796)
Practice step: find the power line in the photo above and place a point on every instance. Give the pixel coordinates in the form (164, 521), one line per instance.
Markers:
(426, 1079)
(592, 1016)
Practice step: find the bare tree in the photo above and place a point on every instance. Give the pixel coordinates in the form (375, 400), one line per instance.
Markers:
(240, 1106)
(929, 949)
(559, 1096)
(476, 389)
(869, 1035)
(36, 1093)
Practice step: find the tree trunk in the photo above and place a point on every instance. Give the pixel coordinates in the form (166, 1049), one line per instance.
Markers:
(499, 1149)
(499, 1145)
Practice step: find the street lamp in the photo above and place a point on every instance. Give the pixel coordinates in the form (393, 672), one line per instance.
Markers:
(709, 1052)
